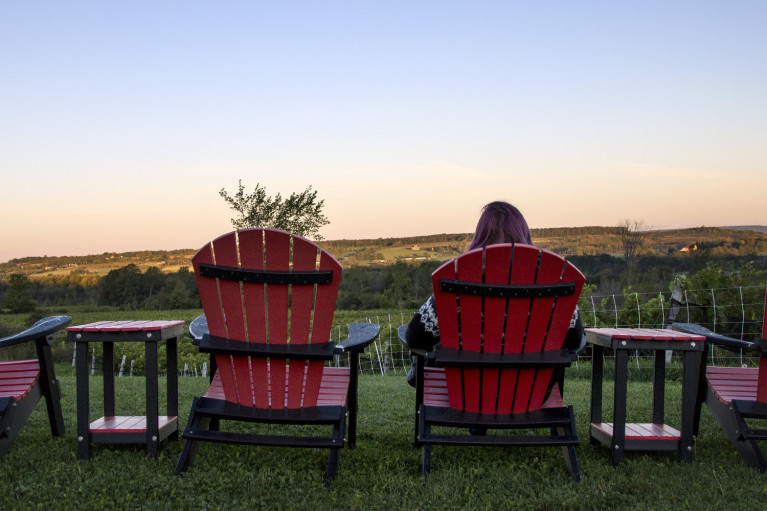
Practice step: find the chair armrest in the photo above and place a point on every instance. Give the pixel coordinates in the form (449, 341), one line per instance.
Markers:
(714, 338)
(577, 351)
(198, 328)
(360, 337)
(45, 328)
(402, 334)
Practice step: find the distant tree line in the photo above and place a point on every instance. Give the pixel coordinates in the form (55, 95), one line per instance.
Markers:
(396, 286)
(126, 288)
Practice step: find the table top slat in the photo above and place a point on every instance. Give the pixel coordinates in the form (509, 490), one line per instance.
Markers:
(125, 326)
(642, 334)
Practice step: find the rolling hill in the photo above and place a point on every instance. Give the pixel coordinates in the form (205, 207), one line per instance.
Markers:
(568, 241)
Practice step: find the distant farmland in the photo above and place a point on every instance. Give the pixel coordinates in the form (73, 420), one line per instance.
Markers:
(569, 241)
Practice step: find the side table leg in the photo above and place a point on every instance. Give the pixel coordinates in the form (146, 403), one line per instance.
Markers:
(83, 405)
(690, 380)
(597, 374)
(619, 406)
(171, 348)
(108, 369)
(659, 387)
(152, 400)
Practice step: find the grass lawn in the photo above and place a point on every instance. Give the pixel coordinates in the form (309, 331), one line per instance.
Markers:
(383, 472)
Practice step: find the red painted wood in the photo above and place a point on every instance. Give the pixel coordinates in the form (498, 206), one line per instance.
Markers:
(516, 385)
(501, 325)
(272, 314)
(497, 271)
(641, 431)
(761, 394)
(226, 253)
(277, 250)
(125, 326)
(325, 299)
(214, 313)
(127, 424)
(334, 385)
(435, 387)
(251, 246)
(470, 267)
(435, 390)
(277, 257)
(730, 383)
(555, 399)
(18, 377)
(446, 306)
(322, 322)
(304, 259)
(301, 298)
(540, 338)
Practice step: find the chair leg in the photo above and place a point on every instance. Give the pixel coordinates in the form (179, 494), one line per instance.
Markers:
(569, 451)
(332, 466)
(726, 418)
(8, 409)
(426, 468)
(572, 463)
(338, 434)
(425, 449)
(50, 388)
(191, 446)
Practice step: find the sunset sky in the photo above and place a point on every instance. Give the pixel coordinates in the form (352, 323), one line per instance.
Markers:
(121, 121)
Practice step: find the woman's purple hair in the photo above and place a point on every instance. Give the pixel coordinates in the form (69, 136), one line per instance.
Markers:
(500, 222)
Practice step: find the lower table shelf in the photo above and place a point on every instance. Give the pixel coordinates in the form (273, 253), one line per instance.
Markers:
(651, 437)
(129, 429)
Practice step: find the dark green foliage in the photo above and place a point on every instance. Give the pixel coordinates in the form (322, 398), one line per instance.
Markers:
(128, 288)
(397, 286)
(729, 301)
(19, 297)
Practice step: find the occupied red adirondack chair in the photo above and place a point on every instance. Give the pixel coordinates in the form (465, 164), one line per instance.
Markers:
(24, 382)
(734, 394)
(269, 299)
(503, 314)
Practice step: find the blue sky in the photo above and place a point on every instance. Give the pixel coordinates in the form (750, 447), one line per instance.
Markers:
(121, 121)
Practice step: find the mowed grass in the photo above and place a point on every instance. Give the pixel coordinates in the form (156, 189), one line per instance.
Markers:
(382, 472)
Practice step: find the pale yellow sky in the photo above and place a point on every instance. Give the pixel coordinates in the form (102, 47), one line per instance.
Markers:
(117, 130)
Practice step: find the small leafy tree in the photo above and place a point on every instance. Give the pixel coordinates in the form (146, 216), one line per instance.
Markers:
(300, 214)
(19, 296)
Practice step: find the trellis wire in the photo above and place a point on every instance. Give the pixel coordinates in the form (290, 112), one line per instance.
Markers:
(387, 354)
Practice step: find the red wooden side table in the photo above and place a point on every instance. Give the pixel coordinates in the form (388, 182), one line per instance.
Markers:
(655, 436)
(150, 429)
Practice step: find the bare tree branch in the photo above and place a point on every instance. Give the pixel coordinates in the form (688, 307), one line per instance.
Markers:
(632, 234)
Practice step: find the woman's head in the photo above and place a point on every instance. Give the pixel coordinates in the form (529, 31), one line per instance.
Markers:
(500, 222)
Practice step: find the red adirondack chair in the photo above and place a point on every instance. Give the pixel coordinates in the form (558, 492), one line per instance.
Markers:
(269, 299)
(24, 382)
(503, 314)
(734, 394)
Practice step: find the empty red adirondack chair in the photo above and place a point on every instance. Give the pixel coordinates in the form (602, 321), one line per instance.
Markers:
(269, 299)
(24, 382)
(503, 314)
(734, 394)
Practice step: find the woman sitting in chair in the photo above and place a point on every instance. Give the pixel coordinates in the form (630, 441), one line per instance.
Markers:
(500, 222)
